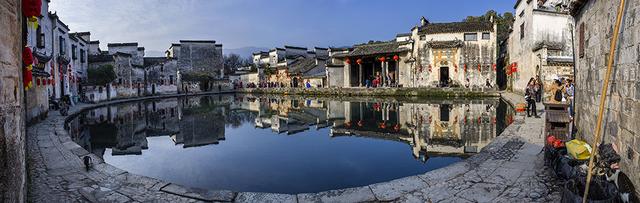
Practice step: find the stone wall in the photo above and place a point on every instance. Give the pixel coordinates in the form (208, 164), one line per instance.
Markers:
(622, 116)
(12, 133)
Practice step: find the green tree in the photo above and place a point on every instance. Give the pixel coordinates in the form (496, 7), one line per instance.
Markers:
(101, 75)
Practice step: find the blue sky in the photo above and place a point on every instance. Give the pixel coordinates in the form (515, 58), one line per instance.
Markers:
(155, 24)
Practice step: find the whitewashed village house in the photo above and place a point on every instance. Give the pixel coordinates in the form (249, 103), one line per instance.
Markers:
(59, 64)
(201, 58)
(291, 66)
(540, 44)
(458, 54)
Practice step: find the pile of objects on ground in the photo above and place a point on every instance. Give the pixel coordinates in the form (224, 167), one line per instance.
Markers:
(570, 159)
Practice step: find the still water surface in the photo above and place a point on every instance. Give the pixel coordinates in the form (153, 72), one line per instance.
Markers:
(287, 144)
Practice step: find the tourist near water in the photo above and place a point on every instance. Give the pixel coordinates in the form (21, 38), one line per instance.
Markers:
(259, 101)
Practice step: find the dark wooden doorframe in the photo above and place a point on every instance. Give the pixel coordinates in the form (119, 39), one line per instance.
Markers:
(444, 76)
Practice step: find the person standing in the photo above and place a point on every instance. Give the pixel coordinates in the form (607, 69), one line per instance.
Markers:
(530, 94)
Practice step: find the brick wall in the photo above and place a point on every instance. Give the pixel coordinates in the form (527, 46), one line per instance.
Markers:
(622, 123)
(12, 133)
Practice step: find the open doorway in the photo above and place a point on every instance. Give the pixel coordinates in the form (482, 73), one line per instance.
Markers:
(444, 77)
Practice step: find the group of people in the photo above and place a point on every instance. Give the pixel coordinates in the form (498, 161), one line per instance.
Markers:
(376, 81)
(561, 90)
(239, 84)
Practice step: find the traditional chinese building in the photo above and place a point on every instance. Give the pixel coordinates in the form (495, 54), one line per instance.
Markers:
(458, 54)
(540, 43)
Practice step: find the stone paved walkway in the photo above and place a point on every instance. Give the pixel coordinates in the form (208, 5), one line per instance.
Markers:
(510, 169)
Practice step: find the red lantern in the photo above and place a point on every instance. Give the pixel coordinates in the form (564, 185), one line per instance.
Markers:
(27, 59)
(32, 9)
(38, 82)
(429, 67)
(396, 58)
(382, 59)
(455, 66)
(27, 56)
(479, 68)
(348, 61)
(359, 61)
(494, 67)
(465, 67)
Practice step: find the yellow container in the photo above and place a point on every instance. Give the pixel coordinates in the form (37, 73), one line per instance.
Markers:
(578, 149)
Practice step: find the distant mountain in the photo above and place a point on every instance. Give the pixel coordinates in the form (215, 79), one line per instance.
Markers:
(244, 52)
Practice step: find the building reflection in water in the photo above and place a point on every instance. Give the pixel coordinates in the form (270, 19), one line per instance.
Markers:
(439, 127)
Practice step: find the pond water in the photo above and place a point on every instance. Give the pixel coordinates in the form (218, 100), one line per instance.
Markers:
(259, 143)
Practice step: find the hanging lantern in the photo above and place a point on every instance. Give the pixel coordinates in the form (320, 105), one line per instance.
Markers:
(479, 119)
(359, 61)
(494, 67)
(494, 120)
(455, 66)
(348, 61)
(31, 9)
(37, 82)
(465, 67)
(396, 58)
(382, 59)
(27, 60)
(479, 68)
(429, 67)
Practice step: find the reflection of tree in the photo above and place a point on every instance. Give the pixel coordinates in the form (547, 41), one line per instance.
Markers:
(236, 118)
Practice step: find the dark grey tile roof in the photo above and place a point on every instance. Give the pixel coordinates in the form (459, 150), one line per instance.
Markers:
(94, 42)
(316, 71)
(378, 48)
(198, 41)
(101, 58)
(445, 44)
(403, 35)
(294, 47)
(550, 45)
(455, 27)
(122, 44)
(302, 65)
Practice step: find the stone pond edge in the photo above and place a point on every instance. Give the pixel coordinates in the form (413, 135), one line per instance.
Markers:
(384, 191)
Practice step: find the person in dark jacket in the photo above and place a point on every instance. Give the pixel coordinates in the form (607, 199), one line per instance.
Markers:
(530, 97)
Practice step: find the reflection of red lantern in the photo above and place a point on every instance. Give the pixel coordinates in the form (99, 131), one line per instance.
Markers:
(347, 61)
(479, 119)
(359, 61)
(383, 125)
(360, 123)
(396, 127)
(396, 58)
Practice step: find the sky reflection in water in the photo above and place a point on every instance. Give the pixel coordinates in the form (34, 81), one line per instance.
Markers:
(287, 144)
